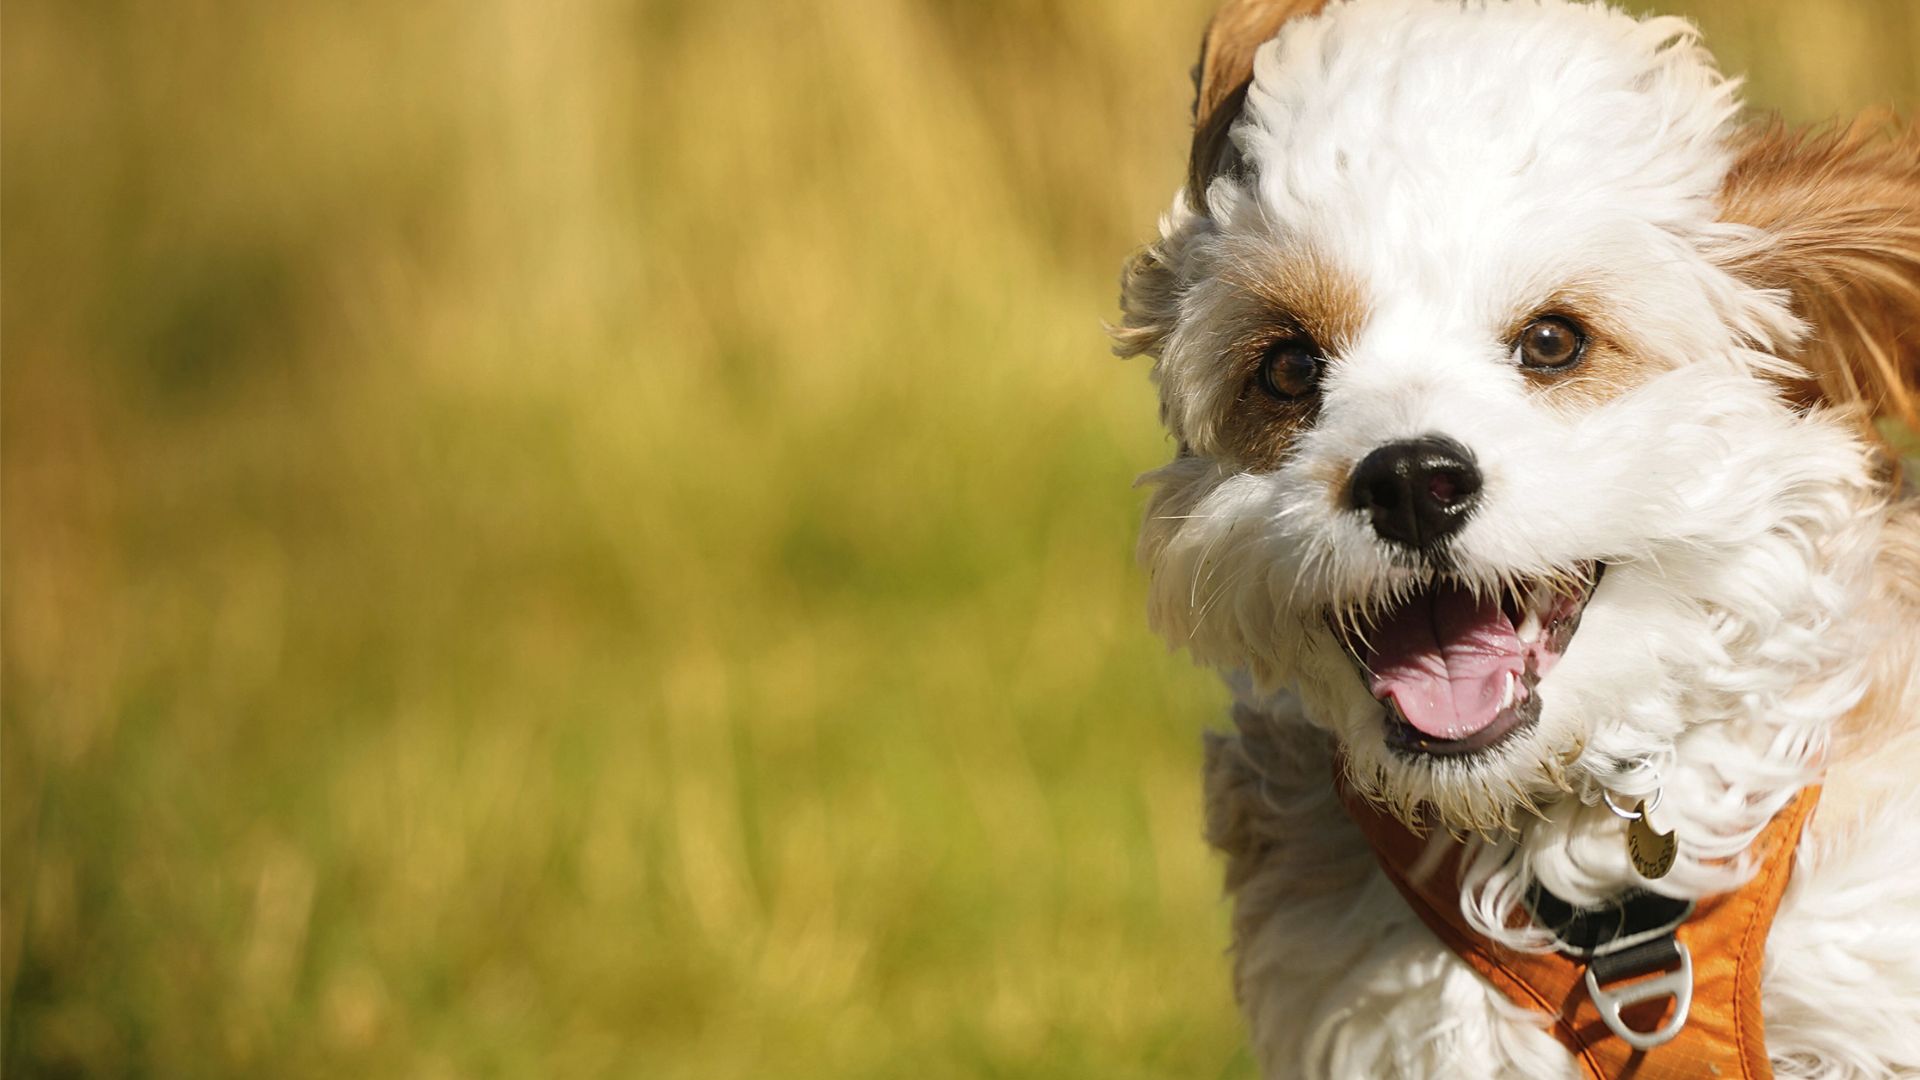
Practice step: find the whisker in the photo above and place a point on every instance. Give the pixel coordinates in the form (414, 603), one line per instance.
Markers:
(1206, 563)
(1222, 591)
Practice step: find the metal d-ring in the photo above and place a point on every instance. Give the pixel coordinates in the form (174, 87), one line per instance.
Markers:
(1677, 985)
(1631, 815)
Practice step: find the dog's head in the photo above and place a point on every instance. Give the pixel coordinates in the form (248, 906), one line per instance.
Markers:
(1506, 369)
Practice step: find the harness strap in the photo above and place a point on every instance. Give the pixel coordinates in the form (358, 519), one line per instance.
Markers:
(1724, 941)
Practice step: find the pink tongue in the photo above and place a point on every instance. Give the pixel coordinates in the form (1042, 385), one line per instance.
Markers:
(1445, 659)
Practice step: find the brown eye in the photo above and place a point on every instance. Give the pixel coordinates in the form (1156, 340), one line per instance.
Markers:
(1290, 370)
(1551, 342)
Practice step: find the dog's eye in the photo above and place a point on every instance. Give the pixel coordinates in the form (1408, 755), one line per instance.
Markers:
(1290, 370)
(1551, 342)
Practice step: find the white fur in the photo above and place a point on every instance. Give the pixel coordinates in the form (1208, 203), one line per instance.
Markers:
(1461, 163)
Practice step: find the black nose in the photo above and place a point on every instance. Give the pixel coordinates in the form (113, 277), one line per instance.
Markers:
(1417, 492)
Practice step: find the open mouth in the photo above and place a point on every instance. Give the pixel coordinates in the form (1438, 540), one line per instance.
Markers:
(1458, 670)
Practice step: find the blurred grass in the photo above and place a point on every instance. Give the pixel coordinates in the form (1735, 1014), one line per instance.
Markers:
(594, 539)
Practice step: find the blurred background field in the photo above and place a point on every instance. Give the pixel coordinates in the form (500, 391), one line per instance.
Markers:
(593, 538)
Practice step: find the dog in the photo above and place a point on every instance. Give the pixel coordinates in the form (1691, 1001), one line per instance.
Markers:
(1529, 497)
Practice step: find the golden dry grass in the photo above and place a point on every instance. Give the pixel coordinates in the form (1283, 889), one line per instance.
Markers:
(593, 539)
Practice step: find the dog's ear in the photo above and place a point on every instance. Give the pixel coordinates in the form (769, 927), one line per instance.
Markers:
(1221, 78)
(1149, 301)
(1150, 283)
(1839, 214)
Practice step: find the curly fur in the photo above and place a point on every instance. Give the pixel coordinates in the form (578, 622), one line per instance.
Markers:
(1432, 171)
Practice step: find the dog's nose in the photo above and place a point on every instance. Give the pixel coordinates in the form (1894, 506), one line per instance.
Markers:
(1417, 492)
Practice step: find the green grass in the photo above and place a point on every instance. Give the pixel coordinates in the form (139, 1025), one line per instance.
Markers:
(595, 540)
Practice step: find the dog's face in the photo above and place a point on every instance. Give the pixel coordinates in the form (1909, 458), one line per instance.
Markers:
(1484, 453)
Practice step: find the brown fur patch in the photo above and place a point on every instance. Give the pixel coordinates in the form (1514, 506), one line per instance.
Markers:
(1307, 293)
(1610, 366)
(1282, 299)
(1259, 429)
(1841, 212)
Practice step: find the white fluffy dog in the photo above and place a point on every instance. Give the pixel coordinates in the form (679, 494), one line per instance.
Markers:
(1524, 400)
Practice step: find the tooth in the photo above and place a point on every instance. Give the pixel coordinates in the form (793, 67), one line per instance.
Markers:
(1513, 687)
(1529, 628)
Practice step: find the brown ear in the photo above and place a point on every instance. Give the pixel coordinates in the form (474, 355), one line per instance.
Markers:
(1149, 285)
(1221, 78)
(1841, 213)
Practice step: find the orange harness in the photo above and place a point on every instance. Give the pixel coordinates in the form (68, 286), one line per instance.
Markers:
(1725, 937)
